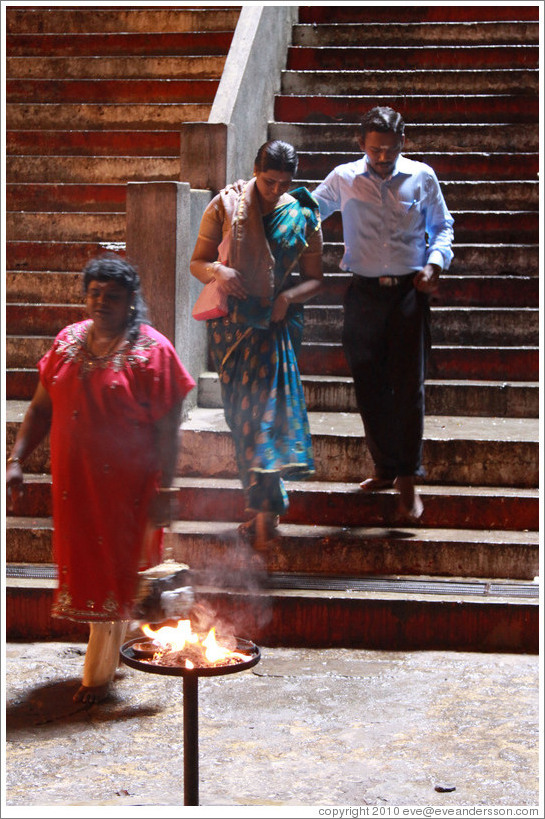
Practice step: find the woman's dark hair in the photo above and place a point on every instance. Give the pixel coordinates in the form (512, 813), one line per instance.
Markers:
(382, 119)
(277, 156)
(109, 267)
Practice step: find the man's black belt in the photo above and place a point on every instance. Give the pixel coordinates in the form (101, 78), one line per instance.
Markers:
(382, 281)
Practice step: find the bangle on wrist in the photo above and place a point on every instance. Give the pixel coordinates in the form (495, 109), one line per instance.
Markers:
(212, 268)
(167, 490)
(13, 460)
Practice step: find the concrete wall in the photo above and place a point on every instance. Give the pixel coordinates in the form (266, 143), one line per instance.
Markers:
(223, 149)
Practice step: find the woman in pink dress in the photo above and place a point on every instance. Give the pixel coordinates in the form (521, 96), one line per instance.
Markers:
(110, 395)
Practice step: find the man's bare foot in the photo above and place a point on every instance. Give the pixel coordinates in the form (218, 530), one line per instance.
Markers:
(374, 484)
(410, 507)
(92, 693)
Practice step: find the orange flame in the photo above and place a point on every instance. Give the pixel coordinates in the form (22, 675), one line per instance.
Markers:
(172, 639)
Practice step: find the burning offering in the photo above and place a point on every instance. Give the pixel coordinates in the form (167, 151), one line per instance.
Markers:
(181, 646)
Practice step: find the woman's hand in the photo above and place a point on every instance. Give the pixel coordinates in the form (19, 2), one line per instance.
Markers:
(14, 484)
(163, 508)
(230, 281)
(280, 307)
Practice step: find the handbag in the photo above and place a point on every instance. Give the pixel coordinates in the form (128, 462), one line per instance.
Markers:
(212, 302)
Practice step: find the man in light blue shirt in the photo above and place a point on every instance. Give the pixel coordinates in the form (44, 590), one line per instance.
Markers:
(398, 236)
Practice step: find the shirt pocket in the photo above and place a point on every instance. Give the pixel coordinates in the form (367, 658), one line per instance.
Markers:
(410, 213)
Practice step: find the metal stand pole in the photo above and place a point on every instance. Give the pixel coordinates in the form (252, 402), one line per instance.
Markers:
(191, 740)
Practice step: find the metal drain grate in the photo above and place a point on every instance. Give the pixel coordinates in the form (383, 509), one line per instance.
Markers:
(484, 588)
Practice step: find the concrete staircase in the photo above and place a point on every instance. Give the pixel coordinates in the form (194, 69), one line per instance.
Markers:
(466, 80)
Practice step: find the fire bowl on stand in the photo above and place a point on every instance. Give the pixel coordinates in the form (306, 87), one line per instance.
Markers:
(138, 653)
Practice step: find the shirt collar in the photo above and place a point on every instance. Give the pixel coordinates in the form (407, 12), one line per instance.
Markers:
(400, 167)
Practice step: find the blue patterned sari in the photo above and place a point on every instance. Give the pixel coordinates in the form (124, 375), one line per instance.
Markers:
(256, 360)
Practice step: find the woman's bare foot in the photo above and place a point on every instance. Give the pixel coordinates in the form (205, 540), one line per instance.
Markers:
(92, 693)
(374, 484)
(266, 528)
(410, 507)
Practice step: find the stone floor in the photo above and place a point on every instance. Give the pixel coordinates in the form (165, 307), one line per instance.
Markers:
(303, 728)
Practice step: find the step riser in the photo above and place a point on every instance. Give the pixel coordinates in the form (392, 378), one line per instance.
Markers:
(92, 143)
(402, 83)
(137, 67)
(447, 164)
(456, 108)
(501, 227)
(66, 197)
(299, 621)
(324, 324)
(477, 259)
(452, 462)
(335, 554)
(43, 21)
(407, 58)
(475, 364)
(114, 170)
(56, 256)
(476, 463)
(84, 227)
(460, 291)
(449, 325)
(78, 44)
(333, 506)
(110, 91)
(417, 35)
(414, 14)
(456, 291)
(453, 363)
(459, 398)
(81, 117)
(420, 138)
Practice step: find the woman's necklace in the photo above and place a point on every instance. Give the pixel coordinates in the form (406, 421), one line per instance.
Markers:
(100, 349)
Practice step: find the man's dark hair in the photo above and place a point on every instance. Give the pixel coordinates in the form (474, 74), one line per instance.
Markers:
(277, 156)
(382, 119)
(111, 267)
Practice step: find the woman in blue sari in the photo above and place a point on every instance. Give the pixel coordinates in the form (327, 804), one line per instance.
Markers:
(252, 237)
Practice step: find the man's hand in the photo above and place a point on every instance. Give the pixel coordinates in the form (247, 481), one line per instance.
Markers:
(427, 279)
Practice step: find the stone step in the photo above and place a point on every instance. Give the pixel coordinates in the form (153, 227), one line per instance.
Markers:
(472, 166)
(459, 291)
(458, 450)
(472, 259)
(474, 326)
(435, 107)
(316, 550)
(70, 19)
(499, 137)
(523, 81)
(105, 116)
(93, 143)
(475, 451)
(362, 57)
(57, 256)
(487, 509)
(390, 614)
(417, 34)
(91, 169)
(120, 43)
(66, 196)
(110, 92)
(503, 227)
(204, 66)
(336, 394)
(437, 15)
(446, 362)
(56, 226)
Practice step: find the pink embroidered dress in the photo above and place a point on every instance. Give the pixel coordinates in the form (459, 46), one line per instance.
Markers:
(104, 465)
